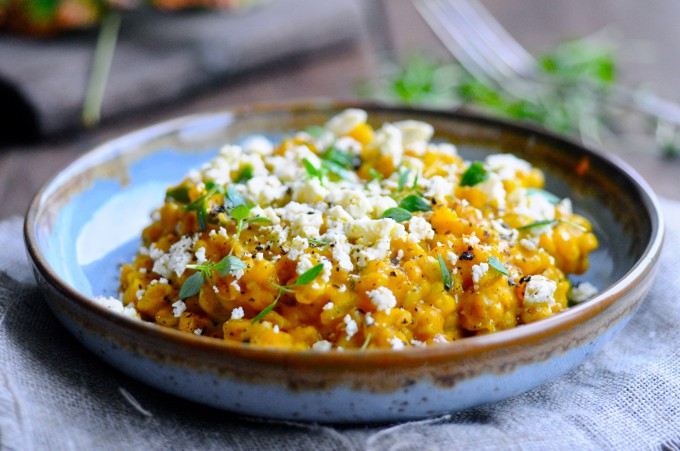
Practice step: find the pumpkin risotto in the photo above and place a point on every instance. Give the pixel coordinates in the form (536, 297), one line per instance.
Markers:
(344, 236)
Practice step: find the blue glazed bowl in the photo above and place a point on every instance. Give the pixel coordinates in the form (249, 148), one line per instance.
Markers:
(88, 219)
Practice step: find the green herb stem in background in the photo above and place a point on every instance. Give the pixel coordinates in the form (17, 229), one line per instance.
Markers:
(101, 66)
(575, 81)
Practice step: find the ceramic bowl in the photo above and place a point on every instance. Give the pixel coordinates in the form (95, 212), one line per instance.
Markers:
(87, 220)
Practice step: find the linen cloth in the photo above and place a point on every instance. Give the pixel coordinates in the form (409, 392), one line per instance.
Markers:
(54, 394)
(161, 57)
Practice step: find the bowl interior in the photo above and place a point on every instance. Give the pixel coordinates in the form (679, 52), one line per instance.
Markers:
(88, 220)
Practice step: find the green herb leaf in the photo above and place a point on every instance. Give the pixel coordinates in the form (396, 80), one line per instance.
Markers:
(179, 194)
(245, 174)
(545, 222)
(308, 276)
(313, 171)
(550, 197)
(496, 264)
(233, 198)
(192, 285)
(241, 212)
(267, 309)
(446, 275)
(474, 175)
(341, 158)
(315, 131)
(375, 175)
(366, 341)
(398, 214)
(202, 216)
(551, 223)
(228, 264)
(258, 219)
(403, 178)
(414, 202)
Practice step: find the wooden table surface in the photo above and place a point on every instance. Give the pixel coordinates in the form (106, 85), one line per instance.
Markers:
(23, 169)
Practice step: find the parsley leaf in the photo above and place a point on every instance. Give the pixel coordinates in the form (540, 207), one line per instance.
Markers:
(446, 275)
(551, 223)
(341, 158)
(403, 178)
(375, 175)
(496, 264)
(233, 199)
(397, 214)
(192, 285)
(313, 171)
(321, 243)
(229, 264)
(474, 175)
(414, 202)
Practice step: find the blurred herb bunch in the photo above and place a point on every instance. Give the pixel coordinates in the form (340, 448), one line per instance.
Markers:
(577, 77)
(49, 17)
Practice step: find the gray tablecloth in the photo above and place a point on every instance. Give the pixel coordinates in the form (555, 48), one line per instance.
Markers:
(56, 395)
(161, 57)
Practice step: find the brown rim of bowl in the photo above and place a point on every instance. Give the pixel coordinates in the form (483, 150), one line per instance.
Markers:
(376, 358)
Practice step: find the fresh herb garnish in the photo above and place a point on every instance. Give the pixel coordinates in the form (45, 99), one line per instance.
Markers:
(313, 171)
(192, 285)
(245, 174)
(550, 197)
(496, 264)
(398, 214)
(474, 175)
(241, 213)
(233, 199)
(446, 275)
(375, 175)
(304, 279)
(179, 194)
(315, 131)
(341, 158)
(200, 204)
(366, 341)
(551, 223)
(403, 178)
(414, 202)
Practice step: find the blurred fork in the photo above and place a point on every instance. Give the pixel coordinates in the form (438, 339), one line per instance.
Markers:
(481, 45)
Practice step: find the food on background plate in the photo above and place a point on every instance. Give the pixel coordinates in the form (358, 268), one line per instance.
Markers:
(343, 236)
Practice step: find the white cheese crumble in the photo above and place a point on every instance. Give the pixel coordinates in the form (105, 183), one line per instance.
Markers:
(237, 313)
(478, 272)
(322, 345)
(346, 121)
(178, 308)
(539, 290)
(351, 327)
(382, 298)
(328, 306)
(396, 344)
(582, 292)
(368, 319)
(177, 258)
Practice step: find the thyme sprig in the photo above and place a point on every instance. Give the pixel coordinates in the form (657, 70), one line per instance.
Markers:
(192, 285)
(305, 278)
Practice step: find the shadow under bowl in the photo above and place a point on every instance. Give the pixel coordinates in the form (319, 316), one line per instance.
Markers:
(88, 219)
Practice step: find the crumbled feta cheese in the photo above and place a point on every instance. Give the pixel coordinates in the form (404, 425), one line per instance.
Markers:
(539, 290)
(582, 292)
(453, 258)
(215, 289)
(382, 298)
(327, 306)
(414, 132)
(368, 319)
(236, 286)
(322, 345)
(258, 144)
(351, 327)
(298, 247)
(440, 338)
(388, 141)
(177, 258)
(200, 256)
(494, 190)
(265, 189)
(178, 308)
(478, 272)
(529, 244)
(396, 344)
(346, 121)
(276, 329)
(237, 313)
(418, 343)
(471, 240)
(139, 294)
(198, 331)
(506, 165)
(419, 229)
